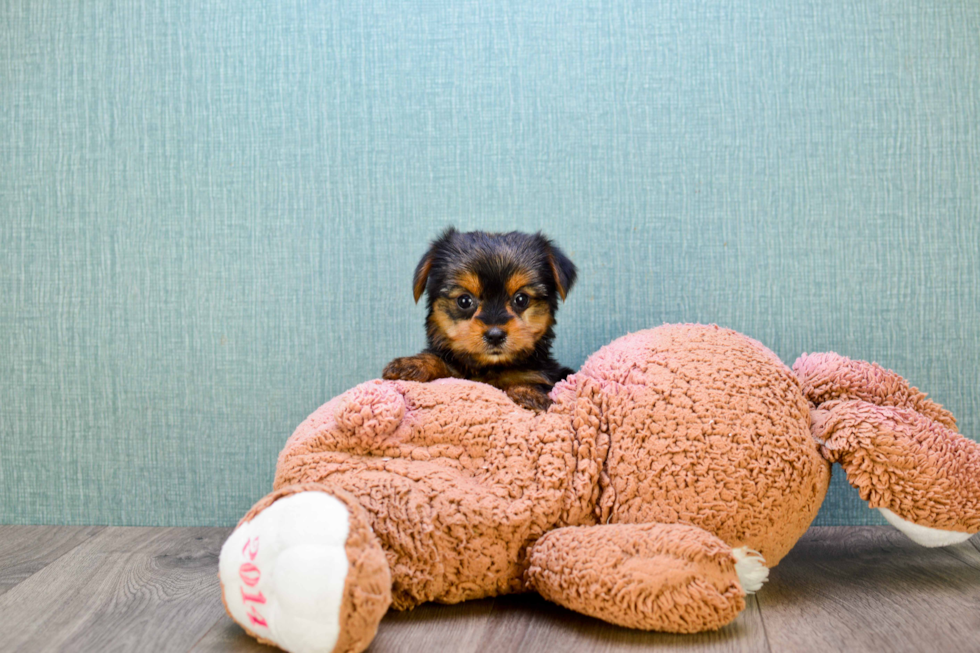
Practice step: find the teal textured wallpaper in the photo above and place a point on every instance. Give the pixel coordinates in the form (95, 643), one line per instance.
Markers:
(210, 211)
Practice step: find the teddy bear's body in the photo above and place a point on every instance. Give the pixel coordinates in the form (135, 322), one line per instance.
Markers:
(639, 497)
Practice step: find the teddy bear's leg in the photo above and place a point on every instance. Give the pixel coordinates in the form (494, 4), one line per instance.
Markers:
(674, 578)
(829, 377)
(304, 571)
(923, 476)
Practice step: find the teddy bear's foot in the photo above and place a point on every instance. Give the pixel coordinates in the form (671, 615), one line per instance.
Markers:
(668, 577)
(923, 535)
(921, 475)
(303, 571)
(751, 569)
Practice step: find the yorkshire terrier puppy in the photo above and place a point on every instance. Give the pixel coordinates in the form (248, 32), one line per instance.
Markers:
(492, 300)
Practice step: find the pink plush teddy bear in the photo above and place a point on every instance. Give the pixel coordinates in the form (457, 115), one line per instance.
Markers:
(671, 472)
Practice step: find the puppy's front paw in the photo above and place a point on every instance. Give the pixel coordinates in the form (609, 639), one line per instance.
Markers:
(529, 397)
(422, 368)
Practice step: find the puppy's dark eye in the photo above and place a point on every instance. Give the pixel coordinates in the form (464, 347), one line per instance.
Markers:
(465, 302)
(521, 300)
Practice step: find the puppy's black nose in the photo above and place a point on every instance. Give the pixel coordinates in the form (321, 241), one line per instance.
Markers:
(494, 336)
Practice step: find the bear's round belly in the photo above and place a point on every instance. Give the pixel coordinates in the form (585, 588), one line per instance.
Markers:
(707, 426)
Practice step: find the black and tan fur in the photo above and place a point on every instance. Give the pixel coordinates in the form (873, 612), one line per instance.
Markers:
(491, 301)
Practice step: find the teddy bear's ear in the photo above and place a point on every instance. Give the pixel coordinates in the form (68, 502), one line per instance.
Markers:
(563, 270)
(422, 270)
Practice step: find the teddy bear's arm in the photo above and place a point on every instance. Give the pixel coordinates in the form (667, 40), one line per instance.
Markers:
(673, 578)
(923, 476)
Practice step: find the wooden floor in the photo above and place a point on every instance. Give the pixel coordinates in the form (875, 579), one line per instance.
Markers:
(156, 589)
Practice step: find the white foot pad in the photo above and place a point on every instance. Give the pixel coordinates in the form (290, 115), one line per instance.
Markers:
(751, 569)
(283, 572)
(923, 535)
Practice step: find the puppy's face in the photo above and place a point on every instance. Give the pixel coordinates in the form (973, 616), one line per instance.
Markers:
(492, 315)
(492, 297)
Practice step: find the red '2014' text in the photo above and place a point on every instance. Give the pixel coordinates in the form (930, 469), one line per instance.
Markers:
(250, 576)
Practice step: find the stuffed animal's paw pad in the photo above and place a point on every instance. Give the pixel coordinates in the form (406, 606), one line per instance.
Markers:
(751, 569)
(923, 535)
(283, 573)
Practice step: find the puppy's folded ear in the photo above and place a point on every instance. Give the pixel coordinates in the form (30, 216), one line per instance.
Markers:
(422, 274)
(563, 269)
(424, 267)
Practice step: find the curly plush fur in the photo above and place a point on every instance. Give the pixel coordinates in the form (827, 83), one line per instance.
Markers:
(670, 472)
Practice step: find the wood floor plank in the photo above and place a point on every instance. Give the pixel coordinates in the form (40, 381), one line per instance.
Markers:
(967, 552)
(226, 636)
(132, 589)
(870, 589)
(515, 623)
(529, 623)
(25, 550)
(430, 627)
(125, 589)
